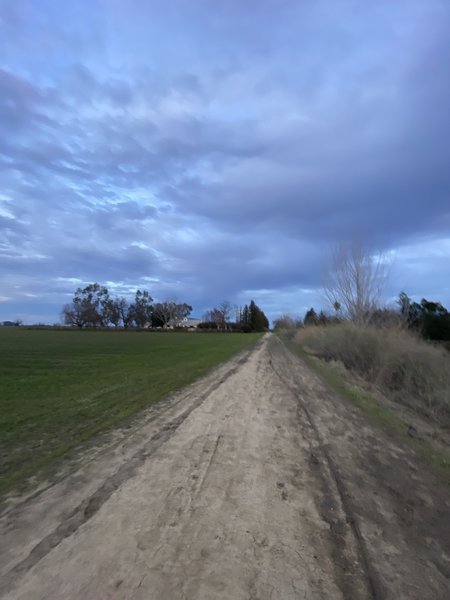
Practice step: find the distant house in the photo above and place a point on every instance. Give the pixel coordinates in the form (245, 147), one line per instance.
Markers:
(187, 322)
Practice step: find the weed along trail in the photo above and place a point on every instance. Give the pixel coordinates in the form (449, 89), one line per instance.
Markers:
(255, 482)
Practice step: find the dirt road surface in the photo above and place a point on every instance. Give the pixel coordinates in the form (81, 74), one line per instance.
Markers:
(256, 482)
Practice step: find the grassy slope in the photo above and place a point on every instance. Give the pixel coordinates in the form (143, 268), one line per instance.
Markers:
(59, 388)
(380, 415)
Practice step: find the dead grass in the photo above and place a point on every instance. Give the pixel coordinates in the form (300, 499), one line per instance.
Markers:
(402, 366)
(432, 449)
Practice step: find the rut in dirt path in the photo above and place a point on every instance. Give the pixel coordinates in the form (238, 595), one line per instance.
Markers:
(242, 486)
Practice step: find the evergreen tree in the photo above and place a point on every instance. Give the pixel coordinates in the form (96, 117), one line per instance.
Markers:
(311, 317)
(432, 319)
(256, 318)
(245, 316)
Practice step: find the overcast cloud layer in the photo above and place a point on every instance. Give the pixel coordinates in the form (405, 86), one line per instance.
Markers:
(209, 150)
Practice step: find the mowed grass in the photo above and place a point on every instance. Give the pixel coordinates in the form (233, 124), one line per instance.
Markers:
(59, 388)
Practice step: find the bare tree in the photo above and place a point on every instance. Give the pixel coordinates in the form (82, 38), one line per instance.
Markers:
(356, 281)
(213, 316)
(220, 315)
(237, 313)
(74, 314)
(170, 313)
(126, 311)
(225, 308)
(285, 321)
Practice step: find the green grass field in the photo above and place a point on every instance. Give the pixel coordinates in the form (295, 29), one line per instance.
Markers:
(59, 388)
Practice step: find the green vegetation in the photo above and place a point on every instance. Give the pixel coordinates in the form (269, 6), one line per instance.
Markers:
(299, 343)
(249, 318)
(431, 319)
(93, 306)
(60, 387)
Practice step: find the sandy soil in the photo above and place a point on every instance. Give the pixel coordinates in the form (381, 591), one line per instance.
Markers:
(256, 482)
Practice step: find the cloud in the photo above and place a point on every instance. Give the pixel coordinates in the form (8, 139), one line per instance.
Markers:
(210, 151)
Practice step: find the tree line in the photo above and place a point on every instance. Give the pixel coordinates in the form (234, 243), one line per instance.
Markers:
(353, 287)
(428, 318)
(93, 306)
(248, 318)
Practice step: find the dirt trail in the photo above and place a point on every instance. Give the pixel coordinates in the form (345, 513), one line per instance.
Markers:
(253, 483)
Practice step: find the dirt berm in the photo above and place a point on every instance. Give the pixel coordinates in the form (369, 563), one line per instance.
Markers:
(256, 482)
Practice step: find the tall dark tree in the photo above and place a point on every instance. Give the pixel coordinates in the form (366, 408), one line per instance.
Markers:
(142, 308)
(256, 318)
(112, 312)
(245, 316)
(311, 317)
(430, 318)
(88, 307)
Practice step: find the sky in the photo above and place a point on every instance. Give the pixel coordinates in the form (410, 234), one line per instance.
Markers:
(210, 150)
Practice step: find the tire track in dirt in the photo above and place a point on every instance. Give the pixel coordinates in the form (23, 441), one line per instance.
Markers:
(398, 508)
(340, 490)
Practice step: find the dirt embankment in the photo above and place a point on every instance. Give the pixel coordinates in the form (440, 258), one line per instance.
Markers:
(254, 483)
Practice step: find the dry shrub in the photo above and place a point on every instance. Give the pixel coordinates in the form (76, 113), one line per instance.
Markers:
(403, 366)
